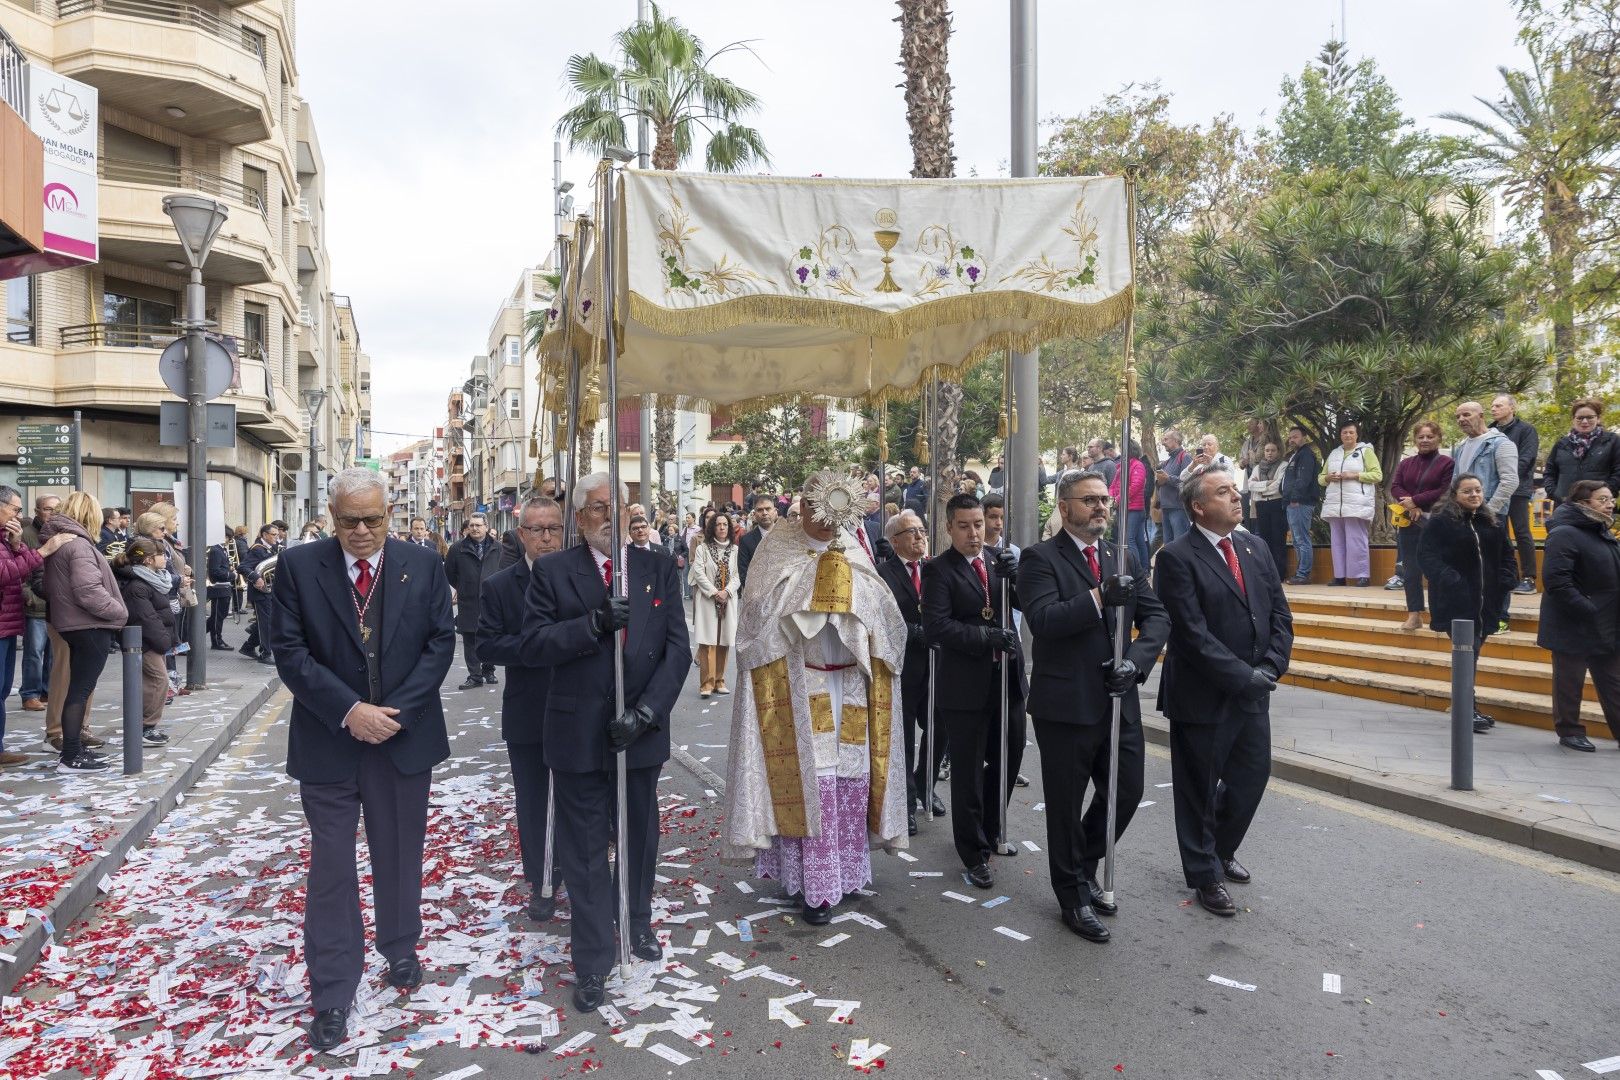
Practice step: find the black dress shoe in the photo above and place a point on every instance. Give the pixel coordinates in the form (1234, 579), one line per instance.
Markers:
(542, 908)
(490, 679)
(1337, 581)
(1362, 582)
(1101, 906)
(328, 1029)
(644, 946)
(1297, 580)
(405, 973)
(266, 658)
(1234, 871)
(472, 682)
(588, 993)
(1481, 725)
(939, 806)
(981, 877)
(1216, 899)
(911, 823)
(1083, 921)
(1577, 742)
(1022, 781)
(818, 916)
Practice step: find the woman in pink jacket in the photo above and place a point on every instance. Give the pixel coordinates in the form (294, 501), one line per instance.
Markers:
(1137, 522)
(87, 610)
(17, 561)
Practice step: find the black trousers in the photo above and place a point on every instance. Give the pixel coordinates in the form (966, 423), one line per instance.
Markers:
(1518, 517)
(1569, 679)
(238, 598)
(87, 656)
(469, 651)
(531, 781)
(584, 804)
(1406, 548)
(1070, 755)
(395, 806)
(1271, 523)
(258, 637)
(914, 710)
(218, 608)
(1220, 773)
(976, 806)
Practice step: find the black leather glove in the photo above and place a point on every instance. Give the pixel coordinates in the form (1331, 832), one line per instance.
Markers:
(1118, 590)
(914, 633)
(1000, 639)
(631, 725)
(1119, 676)
(1005, 563)
(1262, 681)
(614, 614)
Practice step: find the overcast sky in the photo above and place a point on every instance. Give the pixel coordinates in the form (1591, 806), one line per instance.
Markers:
(436, 119)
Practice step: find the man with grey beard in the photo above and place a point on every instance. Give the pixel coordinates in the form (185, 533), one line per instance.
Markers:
(578, 601)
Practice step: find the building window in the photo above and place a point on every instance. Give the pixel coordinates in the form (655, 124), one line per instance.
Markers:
(255, 326)
(138, 316)
(21, 298)
(513, 404)
(629, 426)
(514, 351)
(720, 425)
(254, 184)
(254, 42)
(509, 457)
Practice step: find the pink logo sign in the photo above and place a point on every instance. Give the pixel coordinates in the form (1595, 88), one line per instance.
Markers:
(60, 198)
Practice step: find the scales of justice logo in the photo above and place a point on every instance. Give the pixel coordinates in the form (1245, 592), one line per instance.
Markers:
(64, 110)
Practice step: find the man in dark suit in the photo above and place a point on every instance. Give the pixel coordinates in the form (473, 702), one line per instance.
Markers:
(961, 610)
(764, 518)
(902, 572)
(502, 603)
(1230, 637)
(257, 643)
(362, 636)
(571, 621)
(1073, 596)
(468, 562)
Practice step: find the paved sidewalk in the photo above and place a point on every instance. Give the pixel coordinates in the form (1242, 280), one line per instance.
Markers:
(61, 834)
(1527, 789)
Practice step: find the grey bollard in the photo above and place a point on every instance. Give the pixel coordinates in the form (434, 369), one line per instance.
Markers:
(1462, 704)
(129, 645)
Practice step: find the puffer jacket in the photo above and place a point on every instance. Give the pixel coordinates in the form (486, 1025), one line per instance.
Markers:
(1351, 498)
(1580, 609)
(1470, 568)
(79, 582)
(15, 566)
(153, 611)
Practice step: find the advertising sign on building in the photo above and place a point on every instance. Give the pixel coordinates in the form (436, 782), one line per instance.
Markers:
(63, 113)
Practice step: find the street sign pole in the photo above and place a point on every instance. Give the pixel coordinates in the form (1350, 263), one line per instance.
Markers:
(78, 452)
(197, 477)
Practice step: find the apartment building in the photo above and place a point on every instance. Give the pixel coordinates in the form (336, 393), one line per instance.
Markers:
(510, 400)
(414, 475)
(200, 96)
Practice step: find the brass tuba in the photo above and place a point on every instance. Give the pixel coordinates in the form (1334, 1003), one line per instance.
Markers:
(267, 570)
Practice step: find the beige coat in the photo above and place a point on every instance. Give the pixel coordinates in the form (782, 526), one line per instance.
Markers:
(708, 626)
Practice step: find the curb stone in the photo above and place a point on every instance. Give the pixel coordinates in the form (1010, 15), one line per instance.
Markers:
(80, 894)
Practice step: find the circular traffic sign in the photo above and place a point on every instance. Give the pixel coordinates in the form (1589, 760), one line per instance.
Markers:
(218, 370)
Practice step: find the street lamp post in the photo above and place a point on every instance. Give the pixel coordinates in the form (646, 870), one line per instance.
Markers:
(197, 220)
(312, 401)
(344, 446)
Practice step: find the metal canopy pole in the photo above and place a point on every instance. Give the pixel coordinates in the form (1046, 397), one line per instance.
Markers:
(1002, 847)
(1122, 413)
(1024, 441)
(928, 415)
(621, 579)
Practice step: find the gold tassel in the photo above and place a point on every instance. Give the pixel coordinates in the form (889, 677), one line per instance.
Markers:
(883, 434)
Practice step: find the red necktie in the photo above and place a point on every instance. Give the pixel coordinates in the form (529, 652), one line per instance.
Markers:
(1232, 563)
(916, 579)
(362, 577)
(1091, 560)
(984, 579)
(607, 574)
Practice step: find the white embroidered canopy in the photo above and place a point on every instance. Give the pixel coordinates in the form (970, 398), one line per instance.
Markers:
(736, 289)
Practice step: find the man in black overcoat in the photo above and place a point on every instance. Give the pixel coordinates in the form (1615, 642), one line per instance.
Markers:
(902, 572)
(572, 619)
(1230, 637)
(469, 561)
(362, 636)
(1073, 596)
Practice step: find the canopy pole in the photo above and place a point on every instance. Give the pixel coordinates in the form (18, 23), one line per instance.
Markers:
(1123, 400)
(1002, 847)
(621, 579)
(570, 249)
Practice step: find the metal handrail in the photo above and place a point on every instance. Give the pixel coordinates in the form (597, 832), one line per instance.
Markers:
(178, 12)
(13, 75)
(156, 174)
(120, 335)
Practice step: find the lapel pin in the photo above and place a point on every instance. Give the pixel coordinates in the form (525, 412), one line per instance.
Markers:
(646, 588)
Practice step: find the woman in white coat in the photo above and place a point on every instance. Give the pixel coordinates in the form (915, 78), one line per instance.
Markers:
(713, 576)
(1350, 478)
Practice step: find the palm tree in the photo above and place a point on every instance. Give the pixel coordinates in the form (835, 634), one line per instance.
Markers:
(665, 79)
(1546, 152)
(925, 38)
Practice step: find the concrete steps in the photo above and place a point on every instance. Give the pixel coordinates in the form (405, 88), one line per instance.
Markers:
(1348, 641)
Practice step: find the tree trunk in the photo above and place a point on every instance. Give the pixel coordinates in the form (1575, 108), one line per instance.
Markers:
(664, 155)
(1561, 217)
(947, 430)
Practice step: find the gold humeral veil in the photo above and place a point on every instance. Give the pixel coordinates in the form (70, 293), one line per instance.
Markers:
(782, 712)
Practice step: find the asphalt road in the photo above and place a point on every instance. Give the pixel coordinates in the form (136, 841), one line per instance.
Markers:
(1455, 956)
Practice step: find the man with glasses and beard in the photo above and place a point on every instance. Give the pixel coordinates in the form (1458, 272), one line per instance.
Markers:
(573, 613)
(764, 518)
(502, 603)
(1073, 596)
(363, 636)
